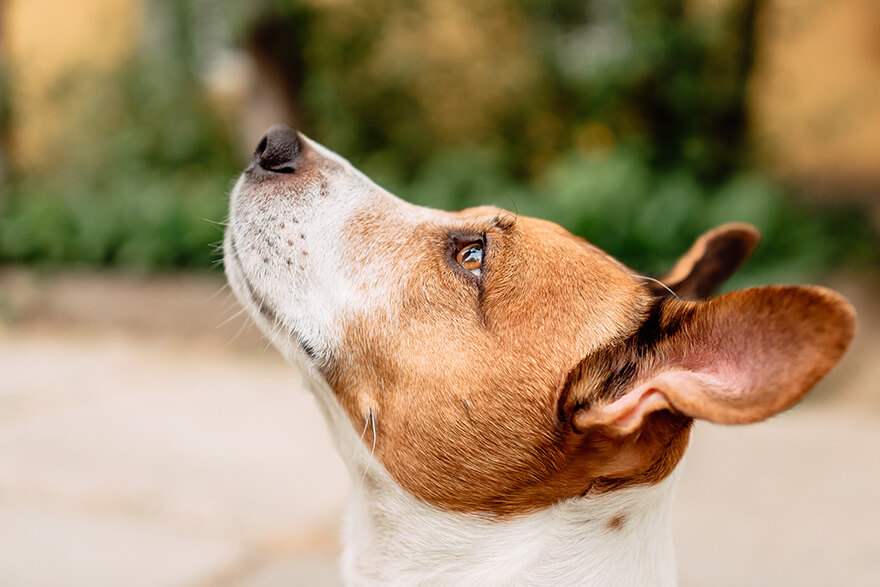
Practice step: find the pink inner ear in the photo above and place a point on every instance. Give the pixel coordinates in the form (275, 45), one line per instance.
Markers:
(705, 395)
(695, 394)
(625, 415)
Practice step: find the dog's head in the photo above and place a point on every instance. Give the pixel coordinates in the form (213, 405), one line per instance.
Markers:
(503, 363)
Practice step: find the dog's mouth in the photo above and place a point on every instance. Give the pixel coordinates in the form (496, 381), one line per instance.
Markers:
(265, 308)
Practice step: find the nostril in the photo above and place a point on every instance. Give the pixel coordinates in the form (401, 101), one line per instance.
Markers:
(278, 150)
(260, 148)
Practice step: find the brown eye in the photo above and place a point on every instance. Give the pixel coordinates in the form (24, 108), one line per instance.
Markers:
(471, 258)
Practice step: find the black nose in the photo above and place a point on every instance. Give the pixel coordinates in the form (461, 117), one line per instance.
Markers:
(278, 150)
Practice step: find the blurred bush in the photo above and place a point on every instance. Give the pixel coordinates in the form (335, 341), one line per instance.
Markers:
(137, 178)
(625, 120)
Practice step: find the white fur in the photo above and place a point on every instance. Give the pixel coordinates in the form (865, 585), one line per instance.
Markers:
(390, 537)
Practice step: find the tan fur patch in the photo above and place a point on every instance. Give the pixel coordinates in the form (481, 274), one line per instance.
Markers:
(617, 522)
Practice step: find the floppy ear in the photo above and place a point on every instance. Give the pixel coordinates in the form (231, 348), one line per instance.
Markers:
(712, 259)
(739, 358)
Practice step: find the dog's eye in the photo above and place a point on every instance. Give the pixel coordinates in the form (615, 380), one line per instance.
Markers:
(471, 258)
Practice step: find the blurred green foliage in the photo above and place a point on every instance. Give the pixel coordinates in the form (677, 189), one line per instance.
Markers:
(138, 181)
(624, 120)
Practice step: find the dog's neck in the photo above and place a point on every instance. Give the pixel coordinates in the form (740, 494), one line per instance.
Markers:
(621, 537)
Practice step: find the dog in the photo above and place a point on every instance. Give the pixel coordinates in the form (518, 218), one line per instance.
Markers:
(512, 402)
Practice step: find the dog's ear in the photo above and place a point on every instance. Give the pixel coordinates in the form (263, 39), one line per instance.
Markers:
(712, 259)
(739, 358)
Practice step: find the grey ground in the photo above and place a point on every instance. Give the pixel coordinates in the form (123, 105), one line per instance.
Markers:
(143, 444)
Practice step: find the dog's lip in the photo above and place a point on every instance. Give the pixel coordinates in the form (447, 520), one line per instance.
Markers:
(267, 310)
(259, 301)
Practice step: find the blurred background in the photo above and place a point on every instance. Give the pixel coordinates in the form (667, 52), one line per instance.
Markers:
(147, 436)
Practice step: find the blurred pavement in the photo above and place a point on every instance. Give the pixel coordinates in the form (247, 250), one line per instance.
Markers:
(140, 444)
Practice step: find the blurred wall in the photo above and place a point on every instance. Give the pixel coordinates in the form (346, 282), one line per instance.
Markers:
(47, 46)
(814, 96)
(816, 92)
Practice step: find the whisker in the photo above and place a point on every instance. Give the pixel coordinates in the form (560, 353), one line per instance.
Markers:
(364, 433)
(515, 208)
(273, 330)
(658, 282)
(244, 326)
(270, 338)
(371, 420)
(231, 302)
(218, 292)
(231, 318)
